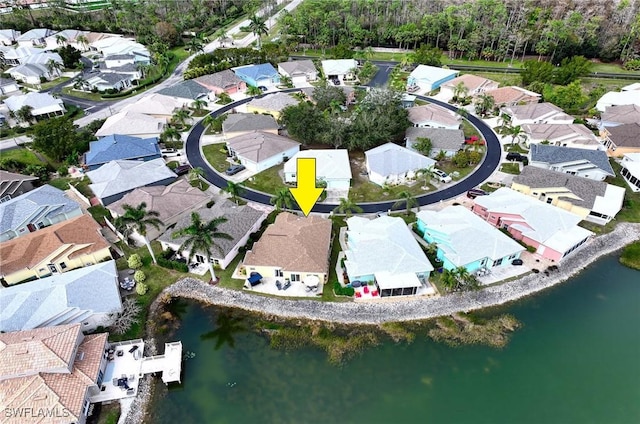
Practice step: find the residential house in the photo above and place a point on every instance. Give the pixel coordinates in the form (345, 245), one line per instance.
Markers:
(30, 73)
(35, 37)
(434, 116)
(614, 98)
(62, 247)
(512, 96)
(52, 369)
(113, 180)
(618, 115)
(42, 104)
(340, 69)
(8, 86)
(622, 139)
(104, 81)
(237, 124)
(407, 100)
(172, 203)
(121, 59)
(463, 239)
(119, 147)
(43, 58)
(428, 78)
(17, 55)
(260, 150)
(442, 140)
(114, 46)
(631, 170)
(536, 113)
(241, 222)
(384, 251)
(13, 185)
(631, 87)
(553, 232)
(473, 84)
(331, 165)
(594, 201)
(70, 38)
(301, 72)
(566, 135)
(293, 248)
(8, 36)
(392, 164)
(188, 90)
(60, 299)
(592, 164)
(273, 104)
(262, 75)
(131, 65)
(133, 124)
(34, 210)
(157, 105)
(222, 82)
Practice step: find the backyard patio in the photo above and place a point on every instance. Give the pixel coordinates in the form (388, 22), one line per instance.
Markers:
(122, 373)
(279, 286)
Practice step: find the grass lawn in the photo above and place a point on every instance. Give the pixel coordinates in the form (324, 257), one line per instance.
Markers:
(510, 168)
(631, 207)
(470, 130)
(267, 181)
(48, 84)
(515, 148)
(502, 78)
(450, 168)
(508, 64)
(216, 156)
(109, 413)
(21, 155)
(631, 256)
(613, 68)
(96, 97)
(366, 191)
(99, 213)
(224, 275)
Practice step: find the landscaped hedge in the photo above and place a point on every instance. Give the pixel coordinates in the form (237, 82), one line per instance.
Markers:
(342, 291)
(178, 266)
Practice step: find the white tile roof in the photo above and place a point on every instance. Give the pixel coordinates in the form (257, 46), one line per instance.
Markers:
(383, 246)
(35, 100)
(131, 123)
(613, 98)
(431, 74)
(331, 164)
(338, 66)
(391, 159)
(155, 104)
(470, 238)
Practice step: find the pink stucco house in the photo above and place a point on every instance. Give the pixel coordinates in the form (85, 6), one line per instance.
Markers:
(553, 232)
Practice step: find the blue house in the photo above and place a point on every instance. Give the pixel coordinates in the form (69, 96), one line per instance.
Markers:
(263, 74)
(464, 239)
(119, 147)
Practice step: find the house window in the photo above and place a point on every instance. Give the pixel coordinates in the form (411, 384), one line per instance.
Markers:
(279, 273)
(200, 259)
(40, 225)
(85, 407)
(497, 262)
(100, 377)
(52, 268)
(63, 265)
(549, 200)
(295, 277)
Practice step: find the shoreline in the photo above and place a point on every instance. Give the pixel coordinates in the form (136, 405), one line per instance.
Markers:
(375, 313)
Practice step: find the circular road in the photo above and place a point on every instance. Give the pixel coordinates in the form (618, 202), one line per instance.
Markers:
(488, 165)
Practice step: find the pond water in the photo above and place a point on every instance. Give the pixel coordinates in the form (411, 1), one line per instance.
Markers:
(575, 360)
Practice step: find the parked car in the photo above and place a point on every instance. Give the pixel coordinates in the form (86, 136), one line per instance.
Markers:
(516, 156)
(234, 169)
(441, 176)
(335, 81)
(170, 153)
(263, 88)
(182, 169)
(517, 262)
(475, 192)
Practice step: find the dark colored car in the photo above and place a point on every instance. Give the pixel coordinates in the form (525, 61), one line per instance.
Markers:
(336, 81)
(475, 192)
(516, 262)
(516, 156)
(182, 170)
(263, 88)
(234, 169)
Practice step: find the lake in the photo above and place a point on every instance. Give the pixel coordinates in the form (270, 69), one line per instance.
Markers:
(575, 360)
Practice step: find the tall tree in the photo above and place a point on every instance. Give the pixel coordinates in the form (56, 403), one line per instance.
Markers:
(234, 190)
(347, 207)
(201, 239)
(253, 91)
(195, 175)
(283, 199)
(407, 199)
(258, 27)
(139, 219)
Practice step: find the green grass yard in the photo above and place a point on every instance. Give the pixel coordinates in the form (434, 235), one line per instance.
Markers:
(216, 156)
(510, 168)
(22, 155)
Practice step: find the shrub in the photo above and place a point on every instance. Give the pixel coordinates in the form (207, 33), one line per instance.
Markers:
(141, 288)
(632, 65)
(134, 261)
(178, 266)
(139, 276)
(210, 203)
(342, 291)
(63, 171)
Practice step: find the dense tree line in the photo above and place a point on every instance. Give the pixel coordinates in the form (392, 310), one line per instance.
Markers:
(486, 29)
(221, 59)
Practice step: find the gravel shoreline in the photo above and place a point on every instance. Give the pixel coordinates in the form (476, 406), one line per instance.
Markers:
(378, 312)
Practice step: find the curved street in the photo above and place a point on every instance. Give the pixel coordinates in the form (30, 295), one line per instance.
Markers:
(477, 177)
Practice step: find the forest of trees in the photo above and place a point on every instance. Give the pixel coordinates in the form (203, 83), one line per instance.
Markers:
(483, 29)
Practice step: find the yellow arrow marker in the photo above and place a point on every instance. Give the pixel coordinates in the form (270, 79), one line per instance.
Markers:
(306, 193)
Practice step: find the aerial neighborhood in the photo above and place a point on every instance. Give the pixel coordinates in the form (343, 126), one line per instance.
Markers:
(143, 172)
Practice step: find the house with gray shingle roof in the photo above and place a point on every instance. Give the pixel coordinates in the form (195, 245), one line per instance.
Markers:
(237, 124)
(113, 180)
(260, 150)
(35, 37)
(117, 146)
(222, 82)
(622, 139)
(34, 210)
(594, 201)
(188, 89)
(272, 104)
(442, 139)
(13, 185)
(592, 164)
(391, 164)
(565, 135)
(30, 73)
(109, 81)
(242, 220)
(300, 71)
(536, 113)
(618, 115)
(88, 295)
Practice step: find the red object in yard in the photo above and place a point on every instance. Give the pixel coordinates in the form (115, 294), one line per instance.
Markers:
(374, 293)
(474, 139)
(366, 289)
(358, 294)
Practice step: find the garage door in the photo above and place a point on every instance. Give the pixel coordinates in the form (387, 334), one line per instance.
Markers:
(299, 80)
(338, 184)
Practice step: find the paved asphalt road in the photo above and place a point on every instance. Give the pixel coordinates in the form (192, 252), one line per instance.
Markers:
(482, 173)
(381, 77)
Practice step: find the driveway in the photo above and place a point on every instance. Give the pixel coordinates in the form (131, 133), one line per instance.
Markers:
(382, 76)
(486, 168)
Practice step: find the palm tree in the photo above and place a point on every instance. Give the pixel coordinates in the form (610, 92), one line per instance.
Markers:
(460, 91)
(54, 66)
(347, 207)
(24, 113)
(427, 174)
(234, 190)
(83, 41)
(253, 91)
(258, 27)
(195, 174)
(484, 104)
(61, 40)
(406, 199)
(180, 117)
(195, 45)
(515, 132)
(170, 134)
(201, 238)
(143, 68)
(139, 218)
(405, 61)
(198, 105)
(283, 199)
(124, 230)
(224, 38)
(80, 83)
